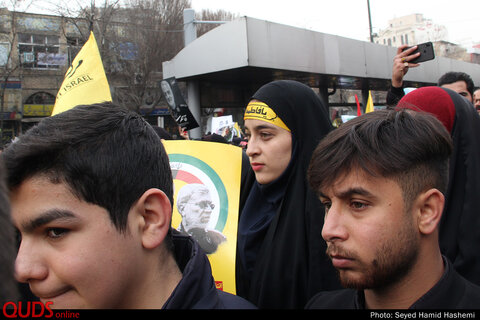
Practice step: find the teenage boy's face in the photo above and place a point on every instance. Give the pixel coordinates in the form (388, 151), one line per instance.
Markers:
(71, 253)
(371, 240)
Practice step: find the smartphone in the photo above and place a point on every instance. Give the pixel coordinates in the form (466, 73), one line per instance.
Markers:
(426, 52)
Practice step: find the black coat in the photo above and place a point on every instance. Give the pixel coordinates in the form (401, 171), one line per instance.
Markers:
(394, 95)
(460, 224)
(452, 291)
(197, 288)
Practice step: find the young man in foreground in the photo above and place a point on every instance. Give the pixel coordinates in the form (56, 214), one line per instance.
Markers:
(381, 178)
(91, 195)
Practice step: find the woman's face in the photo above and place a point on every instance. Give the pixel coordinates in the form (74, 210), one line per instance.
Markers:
(269, 149)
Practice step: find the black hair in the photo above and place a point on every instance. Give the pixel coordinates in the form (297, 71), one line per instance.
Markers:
(412, 148)
(451, 77)
(106, 154)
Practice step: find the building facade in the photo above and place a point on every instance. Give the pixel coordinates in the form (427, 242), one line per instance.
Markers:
(414, 29)
(410, 30)
(35, 51)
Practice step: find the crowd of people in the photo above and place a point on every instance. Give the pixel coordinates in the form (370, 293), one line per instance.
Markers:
(378, 213)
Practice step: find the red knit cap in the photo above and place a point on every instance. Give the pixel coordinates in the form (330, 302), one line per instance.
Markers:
(434, 100)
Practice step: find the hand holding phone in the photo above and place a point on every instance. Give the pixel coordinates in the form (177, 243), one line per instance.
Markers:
(426, 52)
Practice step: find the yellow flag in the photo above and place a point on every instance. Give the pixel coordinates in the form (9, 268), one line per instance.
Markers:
(85, 81)
(369, 103)
(206, 177)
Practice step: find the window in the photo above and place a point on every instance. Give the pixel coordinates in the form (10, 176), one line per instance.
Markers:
(40, 51)
(75, 41)
(74, 46)
(4, 51)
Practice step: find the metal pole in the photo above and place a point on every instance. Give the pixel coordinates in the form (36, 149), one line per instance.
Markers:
(189, 26)
(370, 21)
(193, 87)
(193, 91)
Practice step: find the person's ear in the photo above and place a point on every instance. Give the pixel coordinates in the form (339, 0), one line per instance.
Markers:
(429, 207)
(155, 213)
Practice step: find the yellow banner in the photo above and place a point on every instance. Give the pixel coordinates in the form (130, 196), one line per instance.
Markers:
(85, 81)
(37, 110)
(206, 177)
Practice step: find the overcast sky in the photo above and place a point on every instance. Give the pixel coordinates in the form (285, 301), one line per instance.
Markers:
(349, 18)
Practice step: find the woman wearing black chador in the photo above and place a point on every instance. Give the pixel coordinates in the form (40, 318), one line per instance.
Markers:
(281, 259)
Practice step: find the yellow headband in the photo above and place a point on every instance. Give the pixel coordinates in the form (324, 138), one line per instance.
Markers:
(260, 111)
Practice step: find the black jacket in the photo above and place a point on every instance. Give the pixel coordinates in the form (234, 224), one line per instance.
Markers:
(197, 289)
(452, 291)
(394, 95)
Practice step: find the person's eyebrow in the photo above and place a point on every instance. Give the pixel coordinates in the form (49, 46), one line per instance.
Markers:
(261, 127)
(264, 126)
(47, 217)
(320, 194)
(354, 191)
